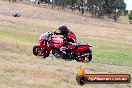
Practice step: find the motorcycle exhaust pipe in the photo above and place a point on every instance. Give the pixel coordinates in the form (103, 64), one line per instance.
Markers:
(83, 55)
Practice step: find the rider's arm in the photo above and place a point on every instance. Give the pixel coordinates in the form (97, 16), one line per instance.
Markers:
(56, 33)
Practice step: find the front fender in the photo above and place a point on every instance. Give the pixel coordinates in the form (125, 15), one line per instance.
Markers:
(38, 45)
(47, 48)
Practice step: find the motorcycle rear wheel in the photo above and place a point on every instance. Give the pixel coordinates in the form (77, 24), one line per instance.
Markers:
(90, 55)
(85, 59)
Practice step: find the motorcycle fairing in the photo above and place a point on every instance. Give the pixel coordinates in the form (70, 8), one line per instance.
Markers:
(48, 48)
(57, 41)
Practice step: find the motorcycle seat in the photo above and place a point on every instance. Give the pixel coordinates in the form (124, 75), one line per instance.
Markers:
(73, 43)
(83, 43)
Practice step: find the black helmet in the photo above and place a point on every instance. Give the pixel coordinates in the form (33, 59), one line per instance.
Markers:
(63, 29)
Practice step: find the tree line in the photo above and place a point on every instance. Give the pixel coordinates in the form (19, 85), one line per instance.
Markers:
(97, 8)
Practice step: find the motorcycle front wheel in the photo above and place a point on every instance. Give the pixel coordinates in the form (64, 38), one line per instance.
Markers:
(35, 50)
(40, 52)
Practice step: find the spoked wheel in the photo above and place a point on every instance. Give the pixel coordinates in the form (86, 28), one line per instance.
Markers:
(35, 50)
(85, 56)
(40, 52)
(89, 57)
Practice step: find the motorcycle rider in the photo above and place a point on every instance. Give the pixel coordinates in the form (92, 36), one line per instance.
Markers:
(69, 37)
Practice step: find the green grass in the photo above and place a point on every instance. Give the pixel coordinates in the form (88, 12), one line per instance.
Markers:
(19, 35)
(117, 57)
(112, 53)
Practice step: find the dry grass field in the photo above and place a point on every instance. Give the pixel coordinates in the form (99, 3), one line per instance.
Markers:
(19, 68)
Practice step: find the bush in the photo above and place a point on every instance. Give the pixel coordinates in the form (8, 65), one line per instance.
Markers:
(125, 13)
(130, 17)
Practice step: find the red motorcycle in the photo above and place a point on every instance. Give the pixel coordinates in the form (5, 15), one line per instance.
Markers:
(50, 42)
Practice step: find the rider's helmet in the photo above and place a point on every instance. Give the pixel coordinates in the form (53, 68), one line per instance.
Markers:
(63, 29)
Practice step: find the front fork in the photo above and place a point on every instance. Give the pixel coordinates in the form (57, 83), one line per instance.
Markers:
(40, 51)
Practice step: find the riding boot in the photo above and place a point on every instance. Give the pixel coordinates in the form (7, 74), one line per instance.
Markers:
(62, 49)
